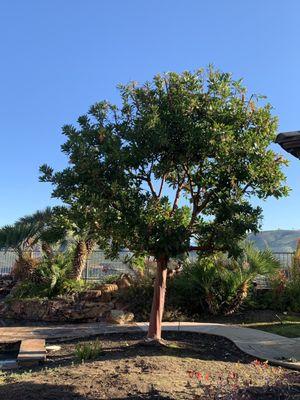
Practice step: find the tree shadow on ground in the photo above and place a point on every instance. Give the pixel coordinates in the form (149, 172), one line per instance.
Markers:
(44, 391)
(191, 345)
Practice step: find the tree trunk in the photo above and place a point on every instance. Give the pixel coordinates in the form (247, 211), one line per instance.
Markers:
(47, 249)
(158, 303)
(82, 251)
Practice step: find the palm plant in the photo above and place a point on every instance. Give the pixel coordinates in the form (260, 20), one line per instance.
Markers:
(218, 284)
(83, 230)
(48, 229)
(21, 238)
(251, 263)
(24, 235)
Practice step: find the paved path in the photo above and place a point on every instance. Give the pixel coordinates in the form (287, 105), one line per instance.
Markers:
(263, 345)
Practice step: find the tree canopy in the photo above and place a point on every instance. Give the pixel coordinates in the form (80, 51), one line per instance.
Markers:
(175, 167)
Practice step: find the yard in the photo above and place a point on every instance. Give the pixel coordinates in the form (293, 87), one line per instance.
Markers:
(190, 366)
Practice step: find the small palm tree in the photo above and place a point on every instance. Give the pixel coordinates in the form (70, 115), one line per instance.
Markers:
(20, 238)
(252, 262)
(48, 229)
(24, 235)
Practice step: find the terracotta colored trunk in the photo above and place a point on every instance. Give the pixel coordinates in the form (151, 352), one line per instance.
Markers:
(158, 303)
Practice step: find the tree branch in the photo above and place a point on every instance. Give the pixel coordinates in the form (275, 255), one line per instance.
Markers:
(162, 185)
(178, 192)
(146, 176)
(200, 248)
(151, 187)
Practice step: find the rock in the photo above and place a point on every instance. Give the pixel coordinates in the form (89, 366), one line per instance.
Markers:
(120, 317)
(53, 348)
(90, 295)
(108, 290)
(125, 281)
(58, 310)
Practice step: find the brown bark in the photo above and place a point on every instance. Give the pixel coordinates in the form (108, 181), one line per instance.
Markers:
(158, 303)
(47, 249)
(24, 267)
(82, 252)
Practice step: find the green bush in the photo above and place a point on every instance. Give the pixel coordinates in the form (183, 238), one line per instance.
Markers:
(50, 279)
(283, 296)
(211, 285)
(204, 287)
(88, 351)
(138, 297)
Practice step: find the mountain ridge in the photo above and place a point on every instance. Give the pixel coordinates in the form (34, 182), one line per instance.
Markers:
(279, 240)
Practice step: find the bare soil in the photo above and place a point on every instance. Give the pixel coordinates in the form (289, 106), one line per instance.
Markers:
(191, 366)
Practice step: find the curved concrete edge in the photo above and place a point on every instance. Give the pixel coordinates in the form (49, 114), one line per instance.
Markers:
(258, 344)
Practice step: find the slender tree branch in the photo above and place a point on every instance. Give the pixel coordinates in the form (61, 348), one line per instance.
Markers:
(163, 179)
(201, 248)
(151, 187)
(178, 193)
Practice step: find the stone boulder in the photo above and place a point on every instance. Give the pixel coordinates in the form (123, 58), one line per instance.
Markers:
(91, 295)
(120, 317)
(108, 291)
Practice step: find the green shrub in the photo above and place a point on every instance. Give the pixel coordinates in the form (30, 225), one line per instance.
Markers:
(88, 351)
(138, 297)
(204, 287)
(210, 285)
(283, 296)
(50, 279)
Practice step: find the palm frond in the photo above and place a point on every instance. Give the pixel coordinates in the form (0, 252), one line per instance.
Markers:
(260, 262)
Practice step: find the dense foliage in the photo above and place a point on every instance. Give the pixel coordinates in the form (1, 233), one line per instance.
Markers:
(193, 135)
(49, 279)
(214, 285)
(285, 292)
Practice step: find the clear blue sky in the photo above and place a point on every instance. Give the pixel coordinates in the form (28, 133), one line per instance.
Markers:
(60, 56)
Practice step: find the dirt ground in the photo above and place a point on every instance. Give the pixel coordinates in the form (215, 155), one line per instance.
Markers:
(191, 366)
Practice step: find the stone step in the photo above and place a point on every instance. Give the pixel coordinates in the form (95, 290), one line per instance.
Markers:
(32, 352)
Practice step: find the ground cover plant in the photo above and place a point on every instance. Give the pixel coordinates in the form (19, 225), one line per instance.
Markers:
(173, 169)
(88, 351)
(201, 366)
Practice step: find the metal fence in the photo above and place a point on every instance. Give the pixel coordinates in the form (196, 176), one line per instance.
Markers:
(286, 261)
(98, 266)
(7, 260)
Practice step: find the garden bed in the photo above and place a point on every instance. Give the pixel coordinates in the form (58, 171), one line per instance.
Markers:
(191, 366)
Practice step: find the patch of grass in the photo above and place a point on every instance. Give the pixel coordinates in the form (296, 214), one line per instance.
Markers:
(284, 325)
(287, 329)
(88, 351)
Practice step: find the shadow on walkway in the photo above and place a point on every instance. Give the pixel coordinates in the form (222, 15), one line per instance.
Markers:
(44, 391)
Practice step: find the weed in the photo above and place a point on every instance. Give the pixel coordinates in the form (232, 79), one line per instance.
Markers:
(88, 351)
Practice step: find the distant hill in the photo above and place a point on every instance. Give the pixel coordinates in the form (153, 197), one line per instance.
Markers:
(278, 241)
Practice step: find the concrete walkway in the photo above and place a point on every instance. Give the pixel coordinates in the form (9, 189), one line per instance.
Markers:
(263, 345)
